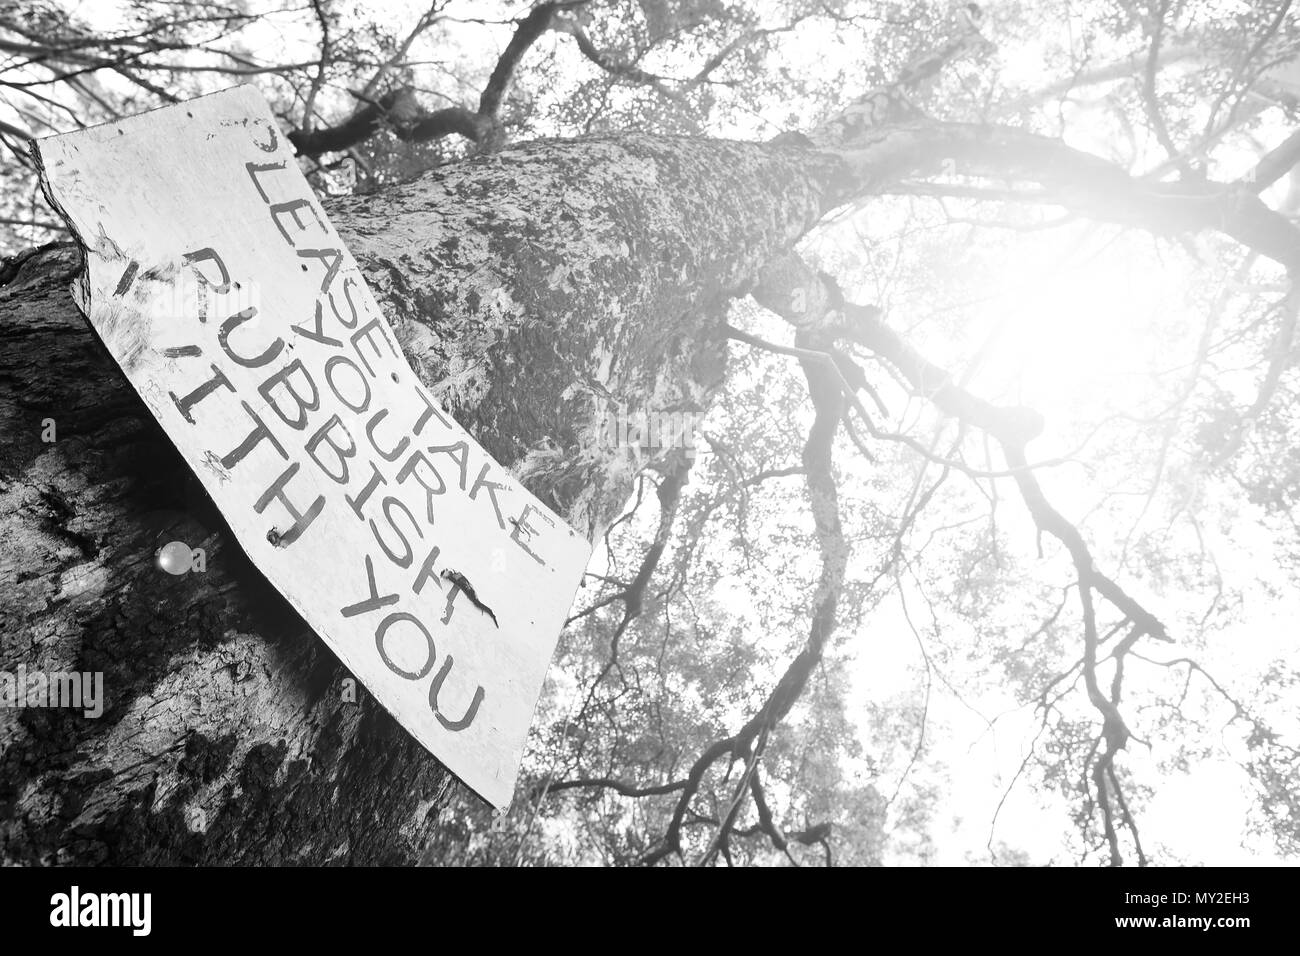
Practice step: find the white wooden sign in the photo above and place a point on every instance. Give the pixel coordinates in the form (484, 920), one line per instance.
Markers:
(227, 298)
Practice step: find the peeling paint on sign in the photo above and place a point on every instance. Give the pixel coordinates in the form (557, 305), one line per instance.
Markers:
(219, 287)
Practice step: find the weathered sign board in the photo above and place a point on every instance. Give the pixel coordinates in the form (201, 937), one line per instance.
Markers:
(223, 292)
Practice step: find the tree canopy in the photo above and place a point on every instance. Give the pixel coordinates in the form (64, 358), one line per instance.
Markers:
(985, 550)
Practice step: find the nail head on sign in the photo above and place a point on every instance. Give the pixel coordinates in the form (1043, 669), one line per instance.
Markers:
(174, 557)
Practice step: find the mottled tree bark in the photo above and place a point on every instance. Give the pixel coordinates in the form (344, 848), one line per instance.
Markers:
(532, 290)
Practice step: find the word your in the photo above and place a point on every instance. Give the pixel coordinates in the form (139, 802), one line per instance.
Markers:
(650, 430)
(84, 691)
(102, 909)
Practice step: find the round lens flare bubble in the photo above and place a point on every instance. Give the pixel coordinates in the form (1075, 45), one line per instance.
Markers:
(175, 557)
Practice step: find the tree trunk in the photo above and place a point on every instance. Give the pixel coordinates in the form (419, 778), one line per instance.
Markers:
(533, 291)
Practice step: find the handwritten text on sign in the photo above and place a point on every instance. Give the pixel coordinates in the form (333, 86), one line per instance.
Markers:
(221, 289)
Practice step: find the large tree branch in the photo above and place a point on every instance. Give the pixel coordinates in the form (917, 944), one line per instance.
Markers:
(401, 111)
(606, 783)
(877, 160)
(633, 595)
(1274, 164)
(893, 102)
(828, 398)
(1013, 427)
(790, 282)
(625, 71)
